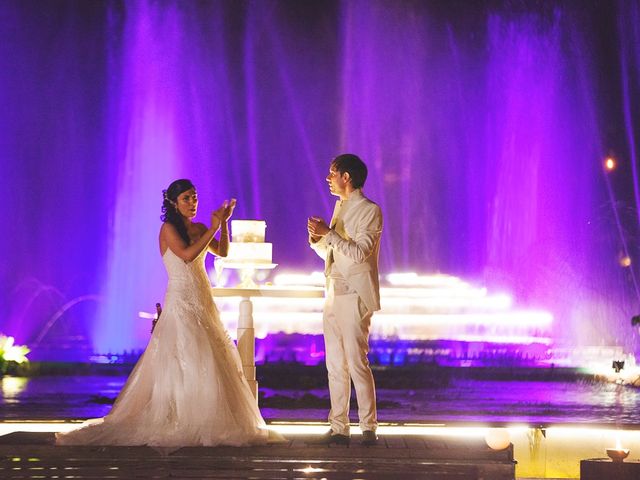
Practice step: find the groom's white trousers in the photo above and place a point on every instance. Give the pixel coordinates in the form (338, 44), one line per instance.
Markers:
(346, 325)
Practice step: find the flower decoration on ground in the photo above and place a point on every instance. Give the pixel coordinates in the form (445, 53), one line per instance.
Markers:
(10, 352)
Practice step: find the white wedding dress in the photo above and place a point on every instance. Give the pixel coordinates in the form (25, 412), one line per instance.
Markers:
(188, 388)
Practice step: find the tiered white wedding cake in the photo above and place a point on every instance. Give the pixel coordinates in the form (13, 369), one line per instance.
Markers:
(247, 246)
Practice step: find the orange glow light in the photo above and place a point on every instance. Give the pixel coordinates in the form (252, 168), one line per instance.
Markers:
(610, 163)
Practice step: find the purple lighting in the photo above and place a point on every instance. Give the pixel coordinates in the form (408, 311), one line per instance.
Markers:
(148, 148)
(484, 126)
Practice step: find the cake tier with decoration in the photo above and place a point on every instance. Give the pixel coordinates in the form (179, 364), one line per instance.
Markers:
(247, 246)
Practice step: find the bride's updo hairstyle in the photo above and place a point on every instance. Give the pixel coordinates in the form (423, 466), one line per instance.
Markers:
(170, 212)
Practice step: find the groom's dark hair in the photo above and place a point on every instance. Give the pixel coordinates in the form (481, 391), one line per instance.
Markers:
(350, 163)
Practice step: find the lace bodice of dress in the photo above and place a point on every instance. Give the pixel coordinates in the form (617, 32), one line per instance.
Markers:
(186, 275)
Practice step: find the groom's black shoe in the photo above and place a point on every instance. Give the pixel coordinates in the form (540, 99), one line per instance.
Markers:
(332, 438)
(369, 438)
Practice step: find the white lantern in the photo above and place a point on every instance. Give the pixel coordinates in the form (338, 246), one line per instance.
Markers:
(498, 438)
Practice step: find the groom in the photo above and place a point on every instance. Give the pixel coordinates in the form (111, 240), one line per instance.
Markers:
(350, 248)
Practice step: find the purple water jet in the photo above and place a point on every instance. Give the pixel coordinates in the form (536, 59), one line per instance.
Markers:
(484, 127)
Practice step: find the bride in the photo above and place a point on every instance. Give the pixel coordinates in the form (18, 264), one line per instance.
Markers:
(188, 388)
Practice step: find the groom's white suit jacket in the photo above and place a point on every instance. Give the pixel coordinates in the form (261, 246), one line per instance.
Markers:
(353, 244)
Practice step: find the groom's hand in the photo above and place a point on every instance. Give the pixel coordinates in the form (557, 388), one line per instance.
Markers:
(317, 228)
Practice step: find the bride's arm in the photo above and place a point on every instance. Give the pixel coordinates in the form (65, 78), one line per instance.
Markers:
(221, 247)
(223, 214)
(188, 253)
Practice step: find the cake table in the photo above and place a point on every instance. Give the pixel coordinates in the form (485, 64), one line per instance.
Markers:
(246, 332)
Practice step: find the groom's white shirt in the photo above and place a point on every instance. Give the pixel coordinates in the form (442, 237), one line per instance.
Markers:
(354, 244)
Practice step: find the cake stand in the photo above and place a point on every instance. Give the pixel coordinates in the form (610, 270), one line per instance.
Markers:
(247, 270)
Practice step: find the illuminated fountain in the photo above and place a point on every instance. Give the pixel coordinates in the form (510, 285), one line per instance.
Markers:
(423, 318)
(485, 129)
(482, 128)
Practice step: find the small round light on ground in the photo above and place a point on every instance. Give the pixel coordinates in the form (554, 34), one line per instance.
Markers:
(625, 261)
(498, 438)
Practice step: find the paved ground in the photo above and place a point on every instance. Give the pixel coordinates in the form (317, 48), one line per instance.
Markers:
(33, 455)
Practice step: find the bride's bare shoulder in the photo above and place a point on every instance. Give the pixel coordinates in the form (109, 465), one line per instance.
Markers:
(167, 229)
